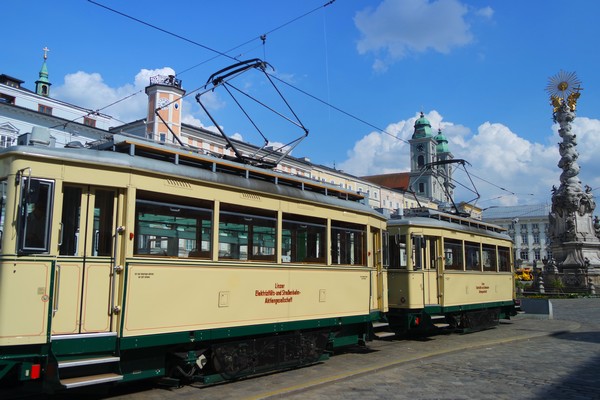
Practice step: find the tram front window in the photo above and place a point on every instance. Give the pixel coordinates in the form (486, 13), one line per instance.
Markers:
(36, 200)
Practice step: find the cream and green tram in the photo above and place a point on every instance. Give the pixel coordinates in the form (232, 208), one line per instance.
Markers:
(129, 260)
(447, 270)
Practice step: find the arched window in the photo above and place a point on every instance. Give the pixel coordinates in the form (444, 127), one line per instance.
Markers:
(421, 161)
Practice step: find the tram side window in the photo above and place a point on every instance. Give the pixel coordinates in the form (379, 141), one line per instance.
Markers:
(246, 234)
(504, 259)
(347, 244)
(303, 239)
(176, 230)
(35, 215)
(71, 210)
(2, 209)
(473, 254)
(488, 257)
(453, 254)
(397, 245)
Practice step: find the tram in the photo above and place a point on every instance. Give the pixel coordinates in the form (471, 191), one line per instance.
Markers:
(447, 270)
(129, 259)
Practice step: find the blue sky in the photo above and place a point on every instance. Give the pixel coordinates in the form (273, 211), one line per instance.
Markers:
(477, 69)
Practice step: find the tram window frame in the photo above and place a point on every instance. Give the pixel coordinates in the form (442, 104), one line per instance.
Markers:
(302, 233)
(35, 216)
(348, 243)
(397, 249)
(504, 259)
(252, 230)
(453, 251)
(488, 257)
(473, 256)
(173, 217)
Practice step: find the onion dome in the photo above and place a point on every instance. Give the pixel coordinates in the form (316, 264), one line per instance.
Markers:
(422, 128)
(442, 143)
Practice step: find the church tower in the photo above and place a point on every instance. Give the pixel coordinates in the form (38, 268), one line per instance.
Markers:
(42, 85)
(444, 170)
(164, 97)
(425, 148)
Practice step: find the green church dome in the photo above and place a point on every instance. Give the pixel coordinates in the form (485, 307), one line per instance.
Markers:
(442, 142)
(422, 128)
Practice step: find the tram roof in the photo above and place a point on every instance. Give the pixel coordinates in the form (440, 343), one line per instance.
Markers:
(438, 219)
(126, 151)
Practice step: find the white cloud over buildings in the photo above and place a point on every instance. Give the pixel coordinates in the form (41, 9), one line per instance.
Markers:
(395, 29)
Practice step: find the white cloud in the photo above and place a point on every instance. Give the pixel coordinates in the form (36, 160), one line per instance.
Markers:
(397, 28)
(127, 102)
(500, 161)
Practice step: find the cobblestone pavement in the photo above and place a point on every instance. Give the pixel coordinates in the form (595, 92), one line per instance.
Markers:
(523, 358)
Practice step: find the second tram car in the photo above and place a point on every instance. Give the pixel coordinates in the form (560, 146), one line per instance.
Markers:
(447, 270)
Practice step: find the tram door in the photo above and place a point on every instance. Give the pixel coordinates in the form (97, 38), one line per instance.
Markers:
(84, 283)
(425, 256)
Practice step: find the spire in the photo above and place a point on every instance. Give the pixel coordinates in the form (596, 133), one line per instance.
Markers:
(42, 85)
(422, 128)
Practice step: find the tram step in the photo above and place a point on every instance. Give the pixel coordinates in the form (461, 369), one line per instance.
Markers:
(80, 381)
(441, 325)
(87, 361)
(377, 325)
(381, 335)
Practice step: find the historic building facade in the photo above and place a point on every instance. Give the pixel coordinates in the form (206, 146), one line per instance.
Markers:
(528, 226)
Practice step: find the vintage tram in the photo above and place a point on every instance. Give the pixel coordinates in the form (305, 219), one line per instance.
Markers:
(447, 270)
(129, 259)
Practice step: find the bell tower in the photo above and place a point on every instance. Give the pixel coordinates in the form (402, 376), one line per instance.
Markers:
(422, 152)
(164, 108)
(42, 85)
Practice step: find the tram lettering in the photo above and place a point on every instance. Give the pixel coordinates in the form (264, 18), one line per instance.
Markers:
(279, 286)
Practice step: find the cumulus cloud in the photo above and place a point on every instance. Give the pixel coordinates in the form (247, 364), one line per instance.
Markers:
(505, 168)
(127, 102)
(397, 28)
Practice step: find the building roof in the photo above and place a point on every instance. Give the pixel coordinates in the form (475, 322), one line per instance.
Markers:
(509, 212)
(398, 181)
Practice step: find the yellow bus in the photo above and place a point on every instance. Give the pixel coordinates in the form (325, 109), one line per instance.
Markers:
(447, 270)
(128, 259)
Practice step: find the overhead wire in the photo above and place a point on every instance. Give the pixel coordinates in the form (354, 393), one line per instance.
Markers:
(262, 38)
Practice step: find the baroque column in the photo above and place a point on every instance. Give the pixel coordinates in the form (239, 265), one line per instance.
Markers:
(573, 231)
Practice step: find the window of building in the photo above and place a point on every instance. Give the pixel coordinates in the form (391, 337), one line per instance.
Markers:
(537, 254)
(4, 98)
(89, 121)
(536, 238)
(421, 187)
(524, 255)
(525, 239)
(45, 109)
(420, 161)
